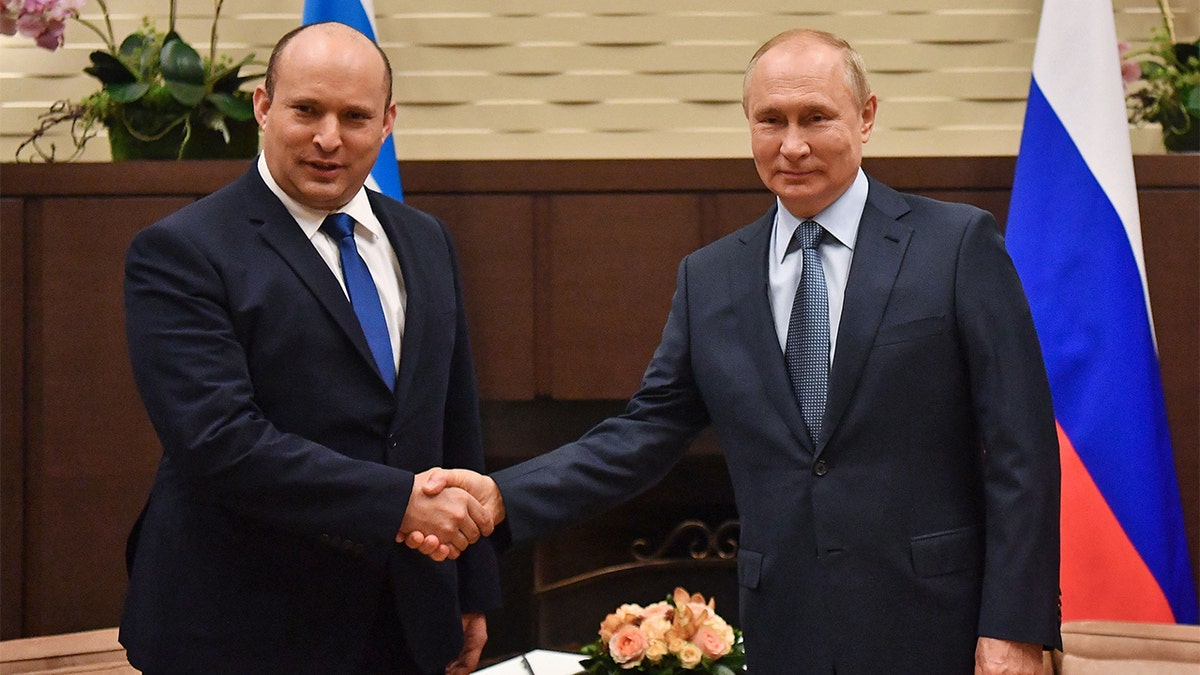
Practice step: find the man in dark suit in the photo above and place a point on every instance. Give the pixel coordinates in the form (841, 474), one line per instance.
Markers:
(899, 498)
(296, 437)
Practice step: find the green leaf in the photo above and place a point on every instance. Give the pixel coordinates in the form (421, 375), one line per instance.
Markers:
(1191, 100)
(186, 93)
(228, 80)
(234, 107)
(127, 92)
(109, 69)
(1185, 51)
(1152, 70)
(132, 44)
(180, 63)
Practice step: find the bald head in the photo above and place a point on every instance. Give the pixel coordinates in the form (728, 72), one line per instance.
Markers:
(855, 70)
(328, 30)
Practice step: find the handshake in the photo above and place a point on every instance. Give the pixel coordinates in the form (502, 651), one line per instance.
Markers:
(449, 510)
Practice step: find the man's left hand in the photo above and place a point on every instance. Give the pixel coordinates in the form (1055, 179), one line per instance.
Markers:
(474, 638)
(1003, 657)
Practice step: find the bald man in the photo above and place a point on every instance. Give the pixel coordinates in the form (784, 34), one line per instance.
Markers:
(300, 344)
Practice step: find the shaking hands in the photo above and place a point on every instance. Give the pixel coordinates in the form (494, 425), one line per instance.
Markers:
(449, 510)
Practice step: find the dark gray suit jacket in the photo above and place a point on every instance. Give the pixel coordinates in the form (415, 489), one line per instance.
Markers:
(928, 515)
(268, 539)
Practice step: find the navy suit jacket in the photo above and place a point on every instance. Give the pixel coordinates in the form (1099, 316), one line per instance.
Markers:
(928, 513)
(269, 537)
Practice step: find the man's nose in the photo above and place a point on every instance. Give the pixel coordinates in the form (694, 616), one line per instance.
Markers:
(328, 134)
(795, 142)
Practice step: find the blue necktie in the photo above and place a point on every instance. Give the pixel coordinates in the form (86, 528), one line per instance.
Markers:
(807, 351)
(363, 294)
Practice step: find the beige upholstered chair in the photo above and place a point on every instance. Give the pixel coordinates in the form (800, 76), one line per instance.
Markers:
(93, 652)
(1123, 648)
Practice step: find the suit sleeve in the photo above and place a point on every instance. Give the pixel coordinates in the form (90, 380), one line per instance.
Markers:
(623, 455)
(194, 378)
(1016, 419)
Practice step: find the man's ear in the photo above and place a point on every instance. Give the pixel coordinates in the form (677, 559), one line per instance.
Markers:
(868, 117)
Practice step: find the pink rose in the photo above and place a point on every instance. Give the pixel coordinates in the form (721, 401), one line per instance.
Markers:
(628, 647)
(625, 615)
(711, 642)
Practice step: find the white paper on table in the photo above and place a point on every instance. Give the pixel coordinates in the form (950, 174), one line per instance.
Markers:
(538, 662)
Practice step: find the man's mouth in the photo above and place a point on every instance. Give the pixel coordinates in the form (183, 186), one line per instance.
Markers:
(324, 167)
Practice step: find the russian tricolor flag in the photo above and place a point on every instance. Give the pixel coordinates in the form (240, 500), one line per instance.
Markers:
(360, 15)
(1075, 236)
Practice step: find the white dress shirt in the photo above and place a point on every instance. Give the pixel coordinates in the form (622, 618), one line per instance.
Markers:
(373, 246)
(840, 220)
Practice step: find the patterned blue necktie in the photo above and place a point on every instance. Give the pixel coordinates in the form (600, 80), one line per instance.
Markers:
(363, 294)
(807, 351)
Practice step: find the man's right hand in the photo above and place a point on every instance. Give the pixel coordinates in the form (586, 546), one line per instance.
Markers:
(481, 487)
(446, 513)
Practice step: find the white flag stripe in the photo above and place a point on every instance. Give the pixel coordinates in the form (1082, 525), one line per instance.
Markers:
(1078, 68)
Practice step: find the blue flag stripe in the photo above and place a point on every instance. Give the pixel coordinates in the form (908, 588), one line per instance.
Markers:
(1085, 291)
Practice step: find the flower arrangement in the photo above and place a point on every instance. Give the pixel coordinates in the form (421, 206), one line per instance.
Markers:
(1163, 85)
(159, 99)
(681, 634)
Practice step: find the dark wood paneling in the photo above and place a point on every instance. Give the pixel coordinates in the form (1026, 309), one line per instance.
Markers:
(493, 236)
(92, 450)
(612, 272)
(12, 415)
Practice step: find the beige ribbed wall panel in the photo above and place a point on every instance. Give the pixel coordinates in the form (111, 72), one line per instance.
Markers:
(481, 79)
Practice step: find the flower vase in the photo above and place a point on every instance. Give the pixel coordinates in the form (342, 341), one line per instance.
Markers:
(204, 143)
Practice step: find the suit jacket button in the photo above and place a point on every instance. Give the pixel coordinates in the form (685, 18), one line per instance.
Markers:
(820, 468)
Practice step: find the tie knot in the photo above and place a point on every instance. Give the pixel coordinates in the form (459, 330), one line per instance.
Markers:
(338, 225)
(808, 235)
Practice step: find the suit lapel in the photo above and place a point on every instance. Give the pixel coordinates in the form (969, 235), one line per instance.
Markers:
(748, 281)
(415, 275)
(279, 229)
(878, 253)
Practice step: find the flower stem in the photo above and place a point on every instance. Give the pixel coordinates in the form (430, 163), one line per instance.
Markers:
(109, 40)
(212, 40)
(1168, 19)
(171, 20)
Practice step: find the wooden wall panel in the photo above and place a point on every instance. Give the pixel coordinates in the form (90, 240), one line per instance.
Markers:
(493, 236)
(612, 272)
(95, 450)
(12, 416)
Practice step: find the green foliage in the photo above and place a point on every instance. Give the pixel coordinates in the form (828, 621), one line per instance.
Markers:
(155, 82)
(155, 88)
(1168, 89)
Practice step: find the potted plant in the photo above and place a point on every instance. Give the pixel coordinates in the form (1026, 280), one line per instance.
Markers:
(159, 99)
(1163, 81)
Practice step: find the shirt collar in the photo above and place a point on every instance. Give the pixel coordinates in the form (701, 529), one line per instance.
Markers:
(359, 207)
(839, 219)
